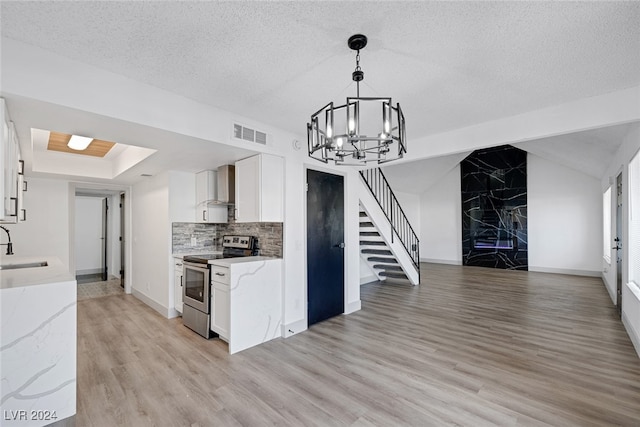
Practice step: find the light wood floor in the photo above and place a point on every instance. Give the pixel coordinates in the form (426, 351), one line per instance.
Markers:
(470, 347)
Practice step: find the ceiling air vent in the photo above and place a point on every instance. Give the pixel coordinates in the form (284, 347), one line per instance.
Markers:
(248, 134)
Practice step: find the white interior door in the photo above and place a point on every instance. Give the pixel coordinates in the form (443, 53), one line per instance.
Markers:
(89, 239)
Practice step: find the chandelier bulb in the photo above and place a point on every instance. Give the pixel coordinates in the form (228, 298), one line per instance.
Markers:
(352, 127)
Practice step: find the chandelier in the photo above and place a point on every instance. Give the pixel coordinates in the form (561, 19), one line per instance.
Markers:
(360, 131)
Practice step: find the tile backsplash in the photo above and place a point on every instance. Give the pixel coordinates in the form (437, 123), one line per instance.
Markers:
(208, 237)
(204, 236)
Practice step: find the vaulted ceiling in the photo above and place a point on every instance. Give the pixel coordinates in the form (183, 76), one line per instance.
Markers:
(449, 64)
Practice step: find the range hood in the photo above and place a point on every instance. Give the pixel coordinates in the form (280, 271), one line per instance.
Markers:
(226, 185)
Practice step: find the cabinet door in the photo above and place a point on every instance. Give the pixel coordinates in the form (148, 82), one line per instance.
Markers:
(248, 190)
(272, 188)
(220, 309)
(204, 185)
(178, 290)
(4, 143)
(9, 158)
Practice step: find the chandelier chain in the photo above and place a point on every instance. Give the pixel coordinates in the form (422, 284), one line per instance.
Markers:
(358, 69)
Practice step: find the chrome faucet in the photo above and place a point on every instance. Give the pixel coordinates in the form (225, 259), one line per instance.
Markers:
(9, 245)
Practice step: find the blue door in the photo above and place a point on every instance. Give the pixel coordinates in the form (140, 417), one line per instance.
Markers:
(325, 246)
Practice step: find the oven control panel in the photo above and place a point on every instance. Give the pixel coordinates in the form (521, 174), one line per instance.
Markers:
(240, 242)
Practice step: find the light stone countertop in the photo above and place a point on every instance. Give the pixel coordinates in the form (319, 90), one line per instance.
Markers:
(54, 272)
(226, 262)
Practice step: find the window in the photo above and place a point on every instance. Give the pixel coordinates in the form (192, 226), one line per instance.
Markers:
(606, 225)
(634, 219)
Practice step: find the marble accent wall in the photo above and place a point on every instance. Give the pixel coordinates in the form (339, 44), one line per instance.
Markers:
(208, 237)
(494, 208)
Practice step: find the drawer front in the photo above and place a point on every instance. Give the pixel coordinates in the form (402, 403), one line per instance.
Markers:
(220, 274)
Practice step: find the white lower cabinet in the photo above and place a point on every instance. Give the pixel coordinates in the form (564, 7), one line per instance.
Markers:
(220, 301)
(177, 284)
(246, 300)
(220, 316)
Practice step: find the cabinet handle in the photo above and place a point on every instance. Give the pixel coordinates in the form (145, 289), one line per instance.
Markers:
(204, 215)
(24, 215)
(181, 280)
(24, 186)
(21, 167)
(220, 274)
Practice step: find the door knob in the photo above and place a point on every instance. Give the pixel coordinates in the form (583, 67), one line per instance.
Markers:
(339, 245)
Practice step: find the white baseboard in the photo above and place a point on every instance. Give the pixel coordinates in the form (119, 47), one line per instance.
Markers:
(611, 291)
(352, 307)
(151, 303)
(368, 279)
(442, 261)
(291, 329)
(89, 271)
(587, 273)
(635, 338)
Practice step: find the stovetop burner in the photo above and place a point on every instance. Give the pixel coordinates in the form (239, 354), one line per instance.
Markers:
(232, 247)
(204, 258)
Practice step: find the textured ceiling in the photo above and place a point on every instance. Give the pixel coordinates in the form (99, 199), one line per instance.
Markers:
(449, 64)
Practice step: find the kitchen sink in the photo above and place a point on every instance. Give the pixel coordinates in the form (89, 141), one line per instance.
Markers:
(24, 265)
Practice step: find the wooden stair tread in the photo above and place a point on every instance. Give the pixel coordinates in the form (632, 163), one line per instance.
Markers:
(388, 267)
(377, 251)
(382, 259)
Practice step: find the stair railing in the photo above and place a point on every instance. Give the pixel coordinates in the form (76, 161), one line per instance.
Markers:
(388, 202)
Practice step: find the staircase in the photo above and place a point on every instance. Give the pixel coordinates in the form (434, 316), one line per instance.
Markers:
(387, 241)
(376, 253)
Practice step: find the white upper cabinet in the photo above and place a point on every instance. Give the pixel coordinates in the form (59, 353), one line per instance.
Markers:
(206, 211)
(11, 180)
(260, 189)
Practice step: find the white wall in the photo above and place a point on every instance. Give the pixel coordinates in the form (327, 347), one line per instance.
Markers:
(564, 209)
(410, 204)
(441, 221)
(46, 231)
(88, 236)
(151, 246)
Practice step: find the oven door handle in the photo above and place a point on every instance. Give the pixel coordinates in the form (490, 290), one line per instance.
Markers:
(198, 267)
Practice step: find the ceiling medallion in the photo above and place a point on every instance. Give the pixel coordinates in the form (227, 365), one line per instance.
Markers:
(360, 131)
